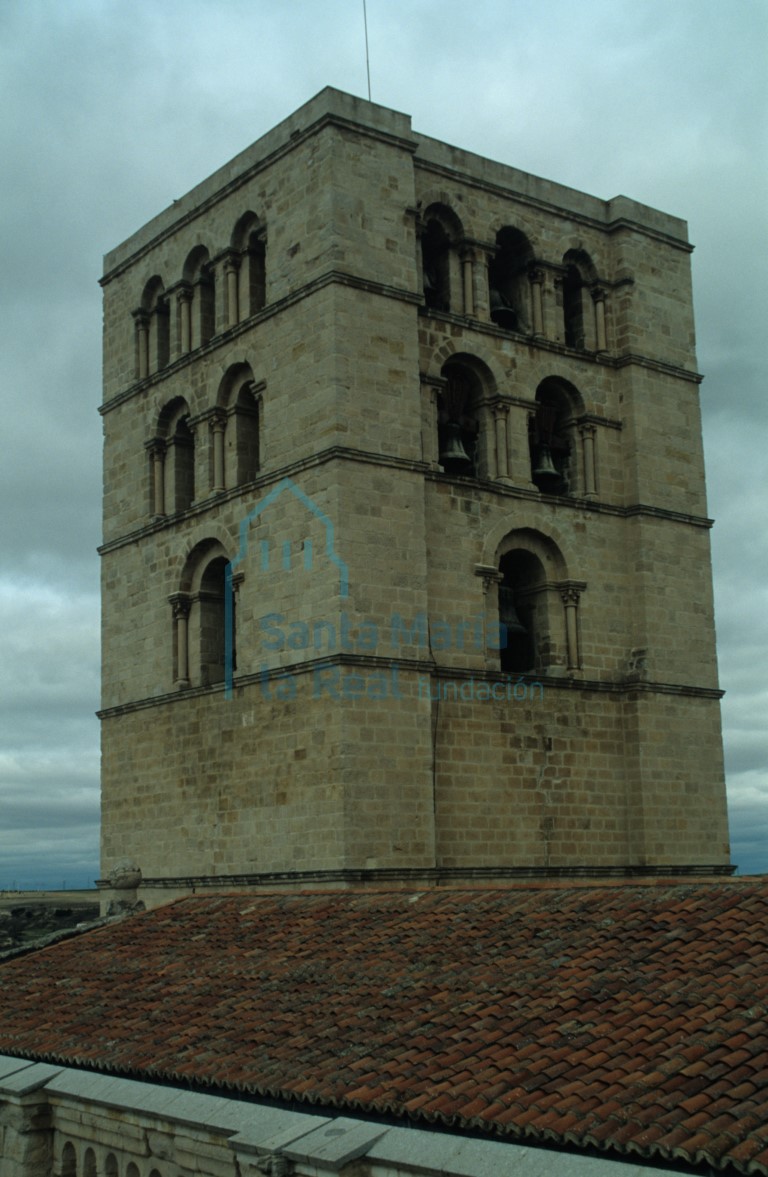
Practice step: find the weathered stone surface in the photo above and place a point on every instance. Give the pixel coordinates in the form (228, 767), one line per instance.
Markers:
(355, 739)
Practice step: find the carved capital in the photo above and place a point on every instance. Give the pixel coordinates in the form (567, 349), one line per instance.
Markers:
(536, 275)
(184, 293)
(217, 421)
(156, 447)
(598, 293)
(181, 603)
(490, 576)
(141, 318)
(570, 595)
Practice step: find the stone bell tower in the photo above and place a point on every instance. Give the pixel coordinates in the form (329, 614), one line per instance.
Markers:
(406, 555)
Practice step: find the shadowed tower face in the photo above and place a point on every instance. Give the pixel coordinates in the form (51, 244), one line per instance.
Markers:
(406, 555)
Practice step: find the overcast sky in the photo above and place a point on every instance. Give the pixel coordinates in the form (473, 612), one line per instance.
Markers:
(113, 108)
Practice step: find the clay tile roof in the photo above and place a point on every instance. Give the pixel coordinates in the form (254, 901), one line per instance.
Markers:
(629, 1018)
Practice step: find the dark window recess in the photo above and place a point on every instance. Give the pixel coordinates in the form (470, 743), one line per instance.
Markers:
(508, 284)
(435, 253)
(573, 308)
(550, 449)
(521, 611)
(457, 424)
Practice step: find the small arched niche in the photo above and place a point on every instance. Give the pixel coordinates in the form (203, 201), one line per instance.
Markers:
(152, 329)
(200, 641)
(68, 1160)
(178, 482)
(249, 244)
(241, 403)
(198, 275)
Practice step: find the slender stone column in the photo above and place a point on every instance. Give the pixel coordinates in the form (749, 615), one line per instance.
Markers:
(467, 271)
(570, 597)
(231, 267)
(180, 603)
(500, 413)
(141, 318)
(430, 400)
(482, 292)
(598, 297)
(536, 278)
(218, 424)
(157, 449)
(588, 457)
(184, 297)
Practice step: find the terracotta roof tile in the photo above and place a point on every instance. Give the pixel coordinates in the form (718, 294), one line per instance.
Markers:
(631, 1018)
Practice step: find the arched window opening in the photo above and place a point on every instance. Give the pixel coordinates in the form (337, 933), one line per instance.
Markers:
(244, 436)
(89, 1163)
(435, 258)
(239, 409)
(110, 1165)
(441, 232)
(68, 1161)
(458, 421)
(573, 308)
(550, 440)
(152, 330)
(212, 621)
(508, 282)
(178, 460)
(578, 315)
(522, 613)
(249, 244)
(200, 614)
(132, 1170)
(198, 274)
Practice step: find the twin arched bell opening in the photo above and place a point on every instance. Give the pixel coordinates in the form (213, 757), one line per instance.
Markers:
(545, 467)
(508, 613)
(453, 457)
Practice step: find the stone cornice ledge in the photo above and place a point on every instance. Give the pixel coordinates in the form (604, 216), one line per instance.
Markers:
(423, 666)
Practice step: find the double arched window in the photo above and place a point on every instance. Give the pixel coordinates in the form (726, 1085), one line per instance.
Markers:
(213, 293)
(188, 461)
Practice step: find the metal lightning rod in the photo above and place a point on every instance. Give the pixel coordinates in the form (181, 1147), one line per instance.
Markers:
(367, 61)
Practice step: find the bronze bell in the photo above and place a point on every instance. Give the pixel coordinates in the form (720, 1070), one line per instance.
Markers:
(453, 457)
(508, 613)
(545, 467)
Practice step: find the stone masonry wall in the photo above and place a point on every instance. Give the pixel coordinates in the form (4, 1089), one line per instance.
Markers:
(366, 577)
